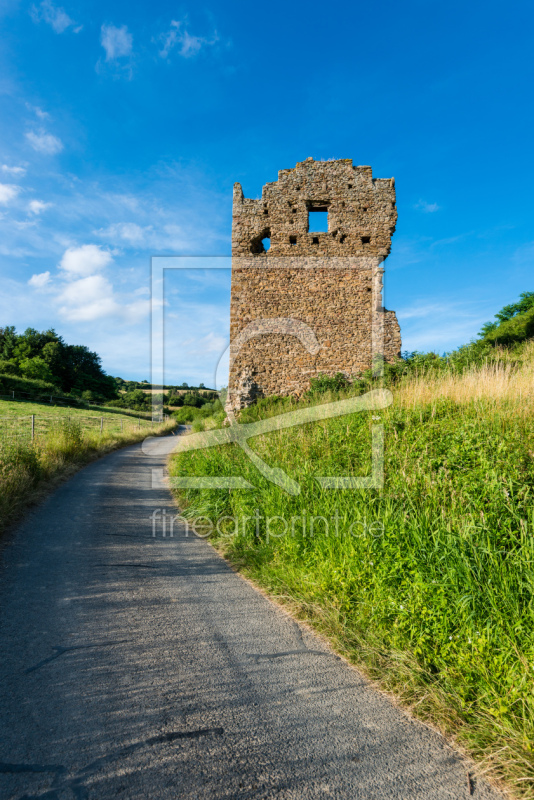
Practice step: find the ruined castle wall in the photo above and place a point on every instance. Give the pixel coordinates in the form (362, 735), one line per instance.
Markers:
(330, 282)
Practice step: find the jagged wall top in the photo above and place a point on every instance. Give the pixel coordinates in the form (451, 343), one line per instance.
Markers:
(361, 212)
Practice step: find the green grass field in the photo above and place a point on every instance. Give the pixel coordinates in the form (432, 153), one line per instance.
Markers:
(25, 408)
(63, 440)
(428, 583)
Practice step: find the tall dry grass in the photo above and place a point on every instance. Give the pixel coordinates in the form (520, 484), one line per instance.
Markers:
(501, 382)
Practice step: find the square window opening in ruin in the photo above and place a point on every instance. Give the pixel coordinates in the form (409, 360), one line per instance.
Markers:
(366, 240)
(292, 240)
(318, 219)
(315, 240)
(266, 242)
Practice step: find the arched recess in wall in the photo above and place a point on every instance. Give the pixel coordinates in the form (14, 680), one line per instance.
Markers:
(261, 243)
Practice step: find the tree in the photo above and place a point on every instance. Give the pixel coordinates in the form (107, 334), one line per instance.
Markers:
(525, 303)
(36, 368)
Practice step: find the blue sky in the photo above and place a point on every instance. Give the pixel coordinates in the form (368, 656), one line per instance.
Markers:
(124, 126)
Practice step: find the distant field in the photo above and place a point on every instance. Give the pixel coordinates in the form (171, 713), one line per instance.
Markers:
(23, 421)
(177, 391)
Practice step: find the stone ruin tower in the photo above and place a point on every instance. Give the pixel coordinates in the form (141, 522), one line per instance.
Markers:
(306, 301)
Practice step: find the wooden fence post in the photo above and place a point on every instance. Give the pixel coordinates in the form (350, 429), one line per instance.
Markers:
(101, 424)
(33, 427)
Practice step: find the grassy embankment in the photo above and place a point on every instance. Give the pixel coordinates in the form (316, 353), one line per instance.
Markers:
(432, 592)
(69, 439)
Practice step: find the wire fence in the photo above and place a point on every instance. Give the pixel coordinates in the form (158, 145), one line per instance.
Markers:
(35, 426)
(68, 402)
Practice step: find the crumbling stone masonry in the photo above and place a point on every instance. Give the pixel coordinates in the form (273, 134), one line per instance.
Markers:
(303, 301)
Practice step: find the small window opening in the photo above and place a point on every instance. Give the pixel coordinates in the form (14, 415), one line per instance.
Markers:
(365, 208)
(342, 238)
(292, 240)
(350, 185)
(261, 243)
(318, 220)
(294, 210)
(366, 239)
(315, 240)
(265, 210)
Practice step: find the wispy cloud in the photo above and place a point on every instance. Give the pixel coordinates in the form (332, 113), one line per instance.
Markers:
(38, 206)
(427, 325)
(8, 192)
(129, 232)
(40, 280)
(19, 171)
(426, 208)
(54, 16)
(38, 111)
(187, 45)
(44, 142)
(117, 42)
(164, 237)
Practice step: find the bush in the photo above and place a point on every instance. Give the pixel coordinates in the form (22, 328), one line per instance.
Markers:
(185, 414)
(517, 329)
(36, 368)
(329, 383)
(8, 367)
(193, 400)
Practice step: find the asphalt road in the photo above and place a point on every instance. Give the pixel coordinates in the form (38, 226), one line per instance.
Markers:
(140, 667)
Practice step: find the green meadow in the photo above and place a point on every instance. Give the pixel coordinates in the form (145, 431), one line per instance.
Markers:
(427, 583)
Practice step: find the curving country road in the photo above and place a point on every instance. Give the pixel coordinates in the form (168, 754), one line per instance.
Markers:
(138, 667)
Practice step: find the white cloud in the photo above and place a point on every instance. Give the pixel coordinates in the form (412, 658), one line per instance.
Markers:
(426, 208)
(54, 16)
(128, 232)
(88, 299)
(44, 142)
(40, 280)
(178, 36)
(36, 206)
(117, 42)
(38, 111)
(8, 192)
(13, 170)
(85, 260)
(91, 298)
